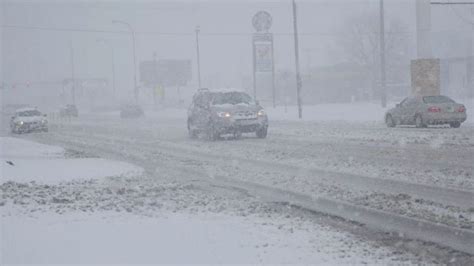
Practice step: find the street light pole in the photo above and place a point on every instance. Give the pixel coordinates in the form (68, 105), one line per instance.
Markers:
(112, 54)
(198, 57)
(73, 91)
(383, 88)
(132, 32)
(297, 62)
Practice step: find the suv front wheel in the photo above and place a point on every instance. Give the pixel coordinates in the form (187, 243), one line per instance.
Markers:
(192, 132)
(211, 132)
(262, 132)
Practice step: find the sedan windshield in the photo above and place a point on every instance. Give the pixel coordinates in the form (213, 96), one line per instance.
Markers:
(231, 98)
(29, 113)
(437, 99)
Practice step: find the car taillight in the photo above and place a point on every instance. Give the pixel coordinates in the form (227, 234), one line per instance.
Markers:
(434, 109)
(461, 109)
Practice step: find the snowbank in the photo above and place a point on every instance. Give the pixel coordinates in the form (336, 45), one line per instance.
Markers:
(25, 161)
(176, 238)
(18, 148)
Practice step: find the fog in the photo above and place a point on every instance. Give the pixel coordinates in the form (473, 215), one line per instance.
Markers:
(37, 38)
(321, 132)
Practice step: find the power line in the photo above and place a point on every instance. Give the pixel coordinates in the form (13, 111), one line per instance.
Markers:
(452, 3)
(190, 34)
(175, 33)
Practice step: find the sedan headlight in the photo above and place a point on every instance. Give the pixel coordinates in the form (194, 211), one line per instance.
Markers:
(19, 123)
(224, 114)
(261, 113)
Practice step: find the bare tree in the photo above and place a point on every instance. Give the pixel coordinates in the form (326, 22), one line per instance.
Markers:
(361, 46)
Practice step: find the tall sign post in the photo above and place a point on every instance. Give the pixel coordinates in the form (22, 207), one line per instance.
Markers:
(73, 78)
(262, 50)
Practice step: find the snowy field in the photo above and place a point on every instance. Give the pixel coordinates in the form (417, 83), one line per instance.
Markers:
(104, 238)
(105, 211)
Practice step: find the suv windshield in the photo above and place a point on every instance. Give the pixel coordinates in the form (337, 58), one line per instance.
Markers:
(29, 113)
(437, 99)
(231, 98)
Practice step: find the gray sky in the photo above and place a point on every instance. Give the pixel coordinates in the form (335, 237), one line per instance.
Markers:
(167, 28)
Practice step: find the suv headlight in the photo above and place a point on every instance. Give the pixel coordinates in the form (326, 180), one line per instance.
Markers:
(19, 122)
(224, 114)
(44, 121)
(261, 113)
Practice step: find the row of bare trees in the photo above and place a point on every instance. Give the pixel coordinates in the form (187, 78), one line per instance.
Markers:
(360, 45)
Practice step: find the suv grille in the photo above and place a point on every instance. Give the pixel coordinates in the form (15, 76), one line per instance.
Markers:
(245, 115)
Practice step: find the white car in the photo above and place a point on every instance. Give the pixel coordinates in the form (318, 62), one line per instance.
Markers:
(27, 120)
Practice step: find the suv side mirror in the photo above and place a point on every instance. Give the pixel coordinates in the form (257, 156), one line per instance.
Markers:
(45, 115)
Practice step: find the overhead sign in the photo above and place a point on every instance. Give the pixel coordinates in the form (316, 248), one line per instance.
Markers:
(165, 72)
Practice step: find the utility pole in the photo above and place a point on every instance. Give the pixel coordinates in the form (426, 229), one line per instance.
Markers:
(73, 91)
(273, 77)
(155, 82)
(114, 88)
(132, 32)
(383, 88)
(297, 62)
(198, 57)
(254, 72)
(423, 29)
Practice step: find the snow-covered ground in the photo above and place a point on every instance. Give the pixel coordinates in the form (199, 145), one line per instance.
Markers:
(105, 238)
(25, 161)
(111, 212)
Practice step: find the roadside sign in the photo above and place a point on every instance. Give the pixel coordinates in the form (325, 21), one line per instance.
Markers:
(263, 48)
(425, 77)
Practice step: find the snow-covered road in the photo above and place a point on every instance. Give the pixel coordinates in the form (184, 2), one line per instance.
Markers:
(426, 173)
(421, 173)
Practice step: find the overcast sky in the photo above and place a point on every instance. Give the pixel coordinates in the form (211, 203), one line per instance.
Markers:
(41, 50)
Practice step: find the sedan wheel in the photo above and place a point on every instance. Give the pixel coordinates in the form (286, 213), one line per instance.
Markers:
(455, 124)
(419, 122)
(237, 135)
(389, 121)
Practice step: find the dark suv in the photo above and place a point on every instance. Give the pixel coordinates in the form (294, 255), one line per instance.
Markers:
(215, 113)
